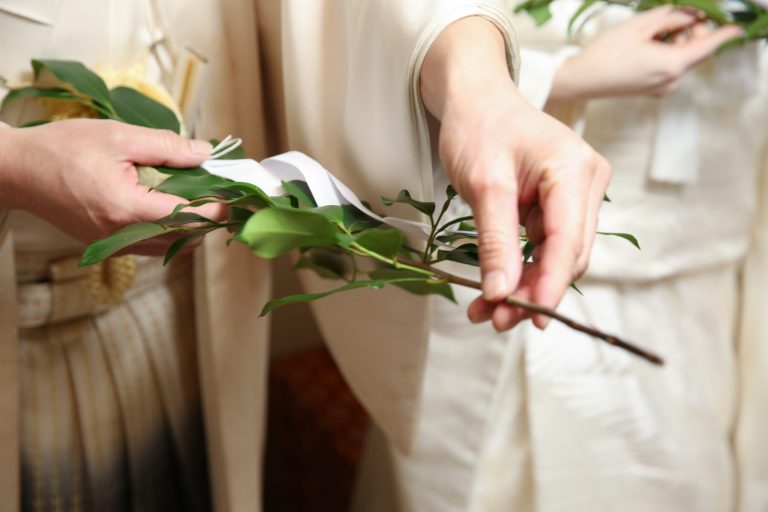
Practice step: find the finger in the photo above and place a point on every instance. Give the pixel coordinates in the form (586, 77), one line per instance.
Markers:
(151, 206)
(564, 202)
(506, 316)
(495, 208)
(700, 47)
(534, 225)
(480, 310)
(600, 180)
(147, 146)
(664, 20)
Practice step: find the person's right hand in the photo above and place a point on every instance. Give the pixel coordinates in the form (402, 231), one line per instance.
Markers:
(80, 175)
(631, 58)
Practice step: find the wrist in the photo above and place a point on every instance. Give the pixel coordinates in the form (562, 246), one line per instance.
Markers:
(467, 59)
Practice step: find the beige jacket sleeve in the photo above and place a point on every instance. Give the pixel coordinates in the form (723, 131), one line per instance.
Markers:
(351, 78)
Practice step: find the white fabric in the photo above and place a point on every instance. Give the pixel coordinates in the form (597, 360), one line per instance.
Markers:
(374, 137)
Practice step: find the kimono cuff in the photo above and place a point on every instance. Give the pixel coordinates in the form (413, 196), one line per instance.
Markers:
(538, 73)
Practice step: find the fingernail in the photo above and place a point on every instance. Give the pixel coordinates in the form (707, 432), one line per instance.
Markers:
(200, 147)
(480, 316)
(495, 285)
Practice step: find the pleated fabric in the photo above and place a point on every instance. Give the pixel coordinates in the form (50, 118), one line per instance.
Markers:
(110, 408)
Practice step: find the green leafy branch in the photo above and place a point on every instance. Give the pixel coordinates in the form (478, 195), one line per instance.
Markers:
(747, 14)
(336, 242)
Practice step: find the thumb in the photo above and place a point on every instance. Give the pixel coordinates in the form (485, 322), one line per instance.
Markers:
(147, 146)
(702, 46)
(496, 218)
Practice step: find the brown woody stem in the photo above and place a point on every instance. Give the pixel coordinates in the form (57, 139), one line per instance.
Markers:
(541, 310)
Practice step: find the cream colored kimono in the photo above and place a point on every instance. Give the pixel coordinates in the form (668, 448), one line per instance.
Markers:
(230, 284)
(574, 425)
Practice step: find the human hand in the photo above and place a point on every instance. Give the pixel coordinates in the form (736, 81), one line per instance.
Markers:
(514, 165)
(645, 55)
(80, 175)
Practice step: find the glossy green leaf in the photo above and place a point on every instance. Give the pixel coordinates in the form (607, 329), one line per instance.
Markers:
(404, 197)
(421, 284)
(309, 297)
(195, 186)
(383, 241)
(581, 10)
(326, 264)
(450, 192)
(132, 107)
(102, 249)
(465, 253)
(348, 216)
(179, 244)
(276, 231)
(300, 190)
(79, 77)
(626, 236)
(38, 92)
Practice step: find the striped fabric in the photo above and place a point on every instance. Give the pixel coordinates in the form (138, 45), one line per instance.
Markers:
(110, 409)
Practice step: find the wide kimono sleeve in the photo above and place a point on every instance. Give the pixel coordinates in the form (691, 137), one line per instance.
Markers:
(351, 82)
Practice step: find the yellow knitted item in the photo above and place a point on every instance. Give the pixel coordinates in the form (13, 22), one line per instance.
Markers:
(108, 281)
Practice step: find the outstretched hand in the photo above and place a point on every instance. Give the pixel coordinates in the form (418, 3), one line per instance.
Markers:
(645, 55)
(80, 175)
(515, 166)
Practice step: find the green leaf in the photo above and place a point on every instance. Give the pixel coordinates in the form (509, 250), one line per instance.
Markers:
(231, 188)
(451, 192)
(383, 241)
(326, 264)
(573, 286)
(348, 216)
(132, 107)
(191, 171)
(465, 253)
(179, 218)
(757, 27)
(179, 244)
(309, 297)
(79, 77)
(38, 92)
(404, 197)
(300, 190)
(540, 14)
(626, 236)
(581, 10)
(528, 251)
(195, 186)
(102, 249)
(276, 231)
(708, 7)
(421, 284)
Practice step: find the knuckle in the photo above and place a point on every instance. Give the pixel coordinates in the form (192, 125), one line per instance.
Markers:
(169, 141)
(495, 244)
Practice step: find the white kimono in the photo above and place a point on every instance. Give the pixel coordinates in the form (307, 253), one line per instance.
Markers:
(573, 424)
